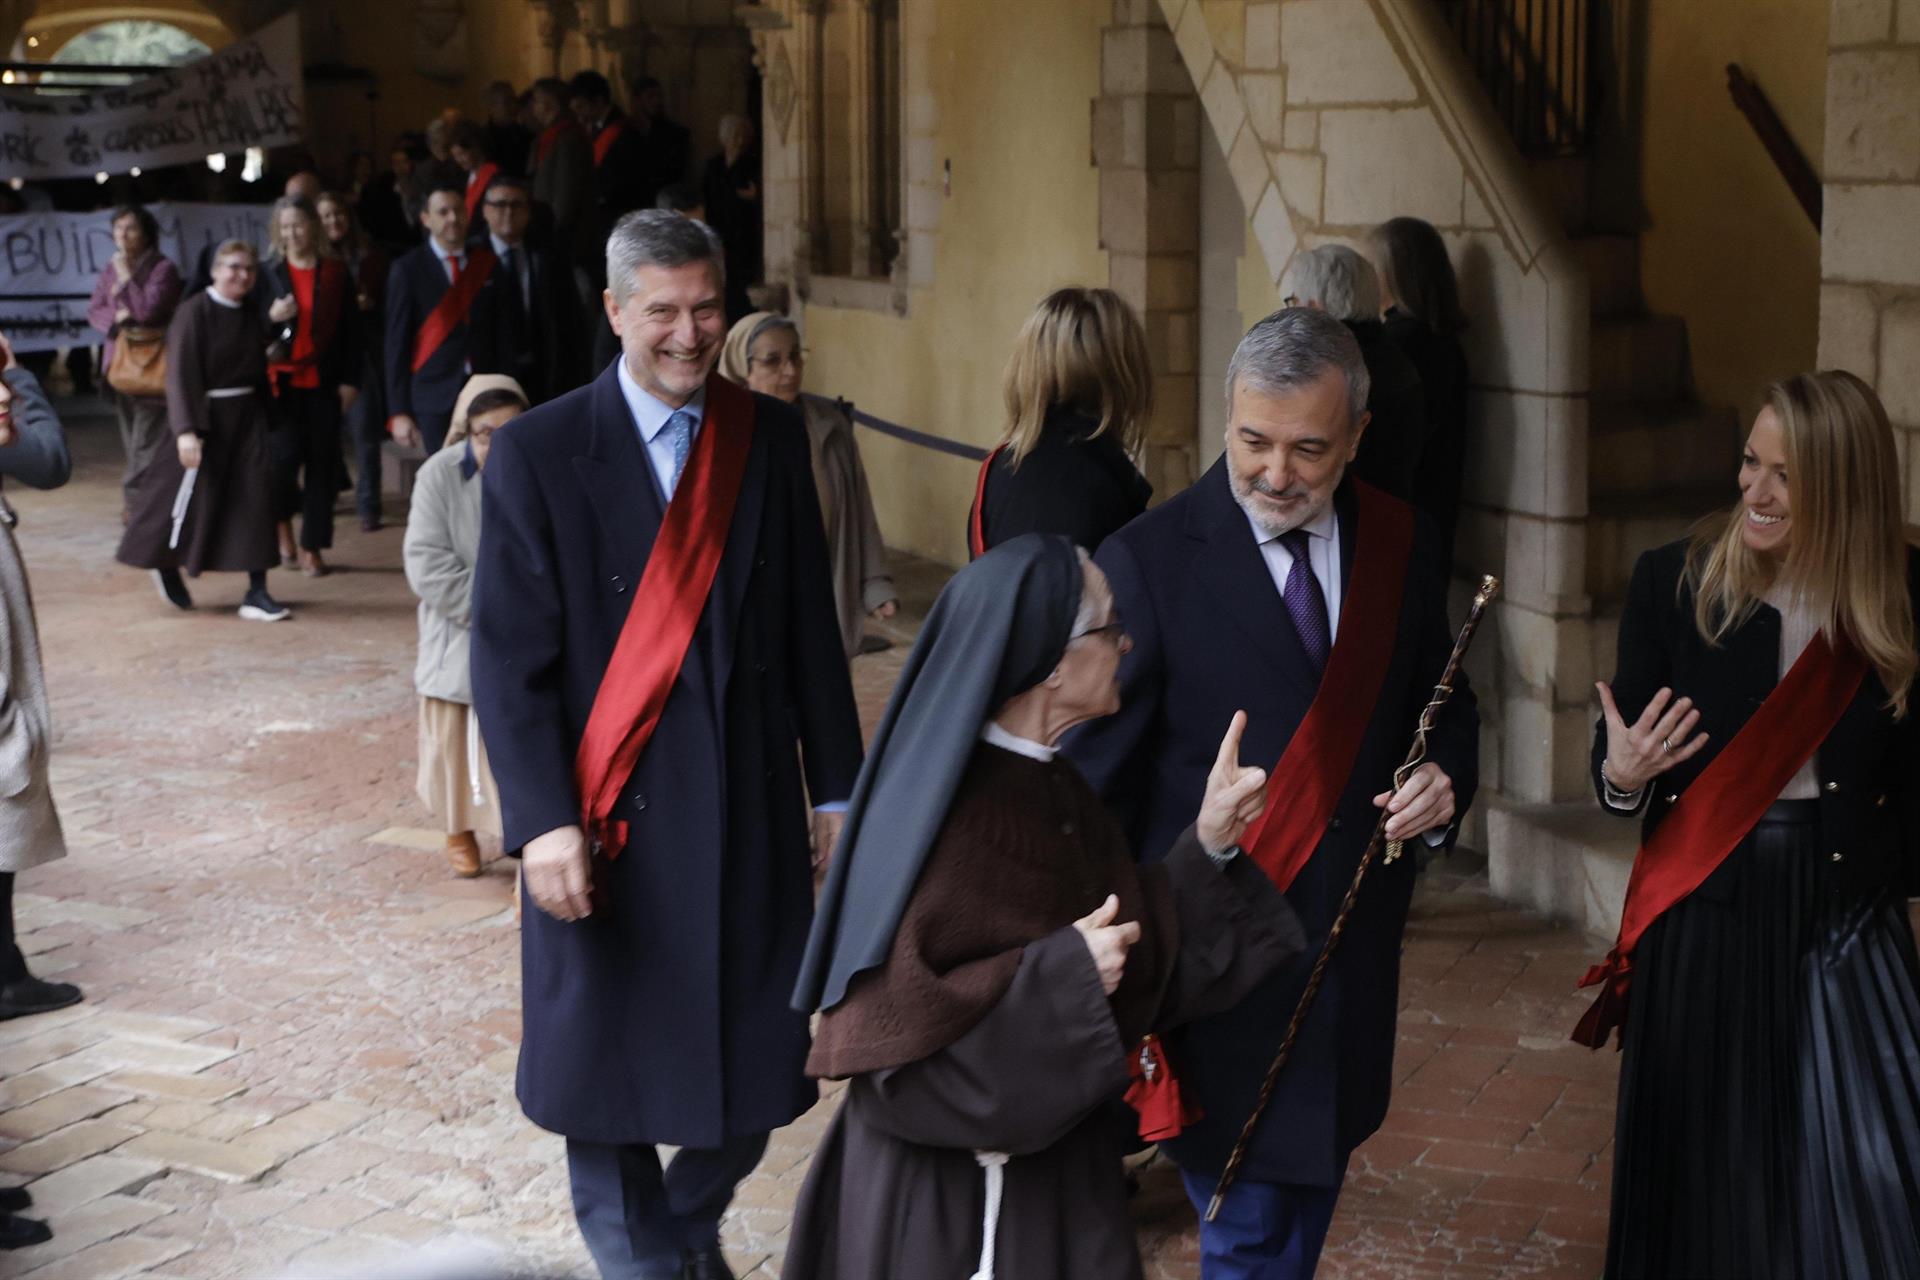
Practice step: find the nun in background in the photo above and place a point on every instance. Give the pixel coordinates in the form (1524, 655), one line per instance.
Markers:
(991, 961)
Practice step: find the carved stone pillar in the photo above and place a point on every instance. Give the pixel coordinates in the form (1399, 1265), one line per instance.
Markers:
(1146, 136)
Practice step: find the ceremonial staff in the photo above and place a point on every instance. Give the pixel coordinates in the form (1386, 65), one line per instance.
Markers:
(1489, 588)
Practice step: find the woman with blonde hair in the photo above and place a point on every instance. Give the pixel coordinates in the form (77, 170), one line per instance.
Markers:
(314, 372)
(1079, 392)
(1765, 981)
(763, 354)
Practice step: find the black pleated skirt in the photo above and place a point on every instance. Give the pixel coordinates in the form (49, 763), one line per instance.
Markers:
(1769, 1121)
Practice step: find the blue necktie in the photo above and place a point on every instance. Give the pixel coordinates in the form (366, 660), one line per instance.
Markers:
(1306, 604)
(679, 431)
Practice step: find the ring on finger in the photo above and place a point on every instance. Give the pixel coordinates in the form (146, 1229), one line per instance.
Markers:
(1666, 746)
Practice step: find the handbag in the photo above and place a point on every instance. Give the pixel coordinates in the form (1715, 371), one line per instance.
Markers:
(139, 364)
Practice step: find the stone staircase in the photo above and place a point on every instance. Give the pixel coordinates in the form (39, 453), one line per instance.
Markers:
(1658, 461)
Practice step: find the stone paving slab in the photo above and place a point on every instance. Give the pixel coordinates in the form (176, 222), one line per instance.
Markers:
(298, 1045)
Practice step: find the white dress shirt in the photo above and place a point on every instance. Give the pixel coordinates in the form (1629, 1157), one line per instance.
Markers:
(1323, 553)
(448, 260)
(650, 418)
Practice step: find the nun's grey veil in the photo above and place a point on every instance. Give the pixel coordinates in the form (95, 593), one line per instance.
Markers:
(999, 628)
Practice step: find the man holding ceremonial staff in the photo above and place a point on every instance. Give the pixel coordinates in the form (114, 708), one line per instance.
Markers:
(1764, 983)
(655, 654)
(1318, 604)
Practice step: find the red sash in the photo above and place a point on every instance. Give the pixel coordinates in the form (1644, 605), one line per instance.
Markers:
(450, 312)
(477, 188)
(977, 523)
(549, 136)
(666, 608)
(1306, 785)
(604, 140)
(1718, 811)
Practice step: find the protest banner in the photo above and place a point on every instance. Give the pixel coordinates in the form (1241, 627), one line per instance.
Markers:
(50, 261)
(247, 94)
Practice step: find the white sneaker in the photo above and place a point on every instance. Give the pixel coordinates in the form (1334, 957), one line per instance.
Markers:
(261, 607)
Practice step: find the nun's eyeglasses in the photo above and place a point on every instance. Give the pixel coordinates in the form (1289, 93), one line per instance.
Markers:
(1116, 629)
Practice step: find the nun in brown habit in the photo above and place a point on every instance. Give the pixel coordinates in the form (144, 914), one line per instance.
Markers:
(763, 354)
(989, 958)
(205, 504)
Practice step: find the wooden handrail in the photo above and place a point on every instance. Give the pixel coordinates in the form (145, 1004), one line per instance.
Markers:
(1781, 148)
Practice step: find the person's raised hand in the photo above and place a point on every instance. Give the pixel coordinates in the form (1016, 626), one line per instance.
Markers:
(557, 871)
(1236, 793)
(284, 308)
(1424, 803)
(1108, 942)
(122, 269)
(188, 443)
(1638, 753)
(403, 429)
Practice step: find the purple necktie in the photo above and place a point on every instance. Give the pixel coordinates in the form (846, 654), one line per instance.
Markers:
(1306, 604)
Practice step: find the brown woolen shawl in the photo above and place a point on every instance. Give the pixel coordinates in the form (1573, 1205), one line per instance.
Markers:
(1027, 848)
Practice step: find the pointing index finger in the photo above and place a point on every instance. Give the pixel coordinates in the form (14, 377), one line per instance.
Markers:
(1229, 757)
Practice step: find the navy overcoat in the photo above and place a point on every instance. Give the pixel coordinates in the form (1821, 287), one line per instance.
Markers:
(663, 1016)
(1212, 636)
(416, 282)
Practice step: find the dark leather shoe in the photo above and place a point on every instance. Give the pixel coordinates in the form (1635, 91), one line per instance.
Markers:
(706, 1264)
(19, 1233)
(30, 995)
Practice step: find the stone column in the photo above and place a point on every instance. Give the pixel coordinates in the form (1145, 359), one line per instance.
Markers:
(1870, 236)
(1146, 137)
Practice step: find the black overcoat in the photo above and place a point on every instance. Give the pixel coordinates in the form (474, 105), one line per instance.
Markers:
(1073, 483)
(1211, 636)
(663, 1017)
(1868, 766)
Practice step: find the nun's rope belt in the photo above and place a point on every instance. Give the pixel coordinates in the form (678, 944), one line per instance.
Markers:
(994, 1164)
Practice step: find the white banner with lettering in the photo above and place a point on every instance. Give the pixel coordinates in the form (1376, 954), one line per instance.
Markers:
(247, 94)
(50, 261)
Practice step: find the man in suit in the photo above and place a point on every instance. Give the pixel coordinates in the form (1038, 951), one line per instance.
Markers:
(652, 562)
(562, 171)
(621, 182)
(668, 145)
(531, 327)
(1280, 586)
(433, 293)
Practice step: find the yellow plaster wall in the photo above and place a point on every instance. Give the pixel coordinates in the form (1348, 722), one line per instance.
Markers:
(1023, 219)
(1728, 248)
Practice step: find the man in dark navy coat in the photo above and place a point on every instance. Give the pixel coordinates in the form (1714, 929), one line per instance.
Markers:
(1232, 593)
(656, 983)
(530, 326)
(420, 402)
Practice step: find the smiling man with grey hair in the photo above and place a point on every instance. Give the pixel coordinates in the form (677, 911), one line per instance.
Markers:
(1282, 586)
(1335, 279)
(659, 678)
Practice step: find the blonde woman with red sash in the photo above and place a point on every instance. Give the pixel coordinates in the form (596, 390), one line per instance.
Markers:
(1765, 982)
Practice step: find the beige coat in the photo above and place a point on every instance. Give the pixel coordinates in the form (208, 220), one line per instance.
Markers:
(29, 827)
(442, 543)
